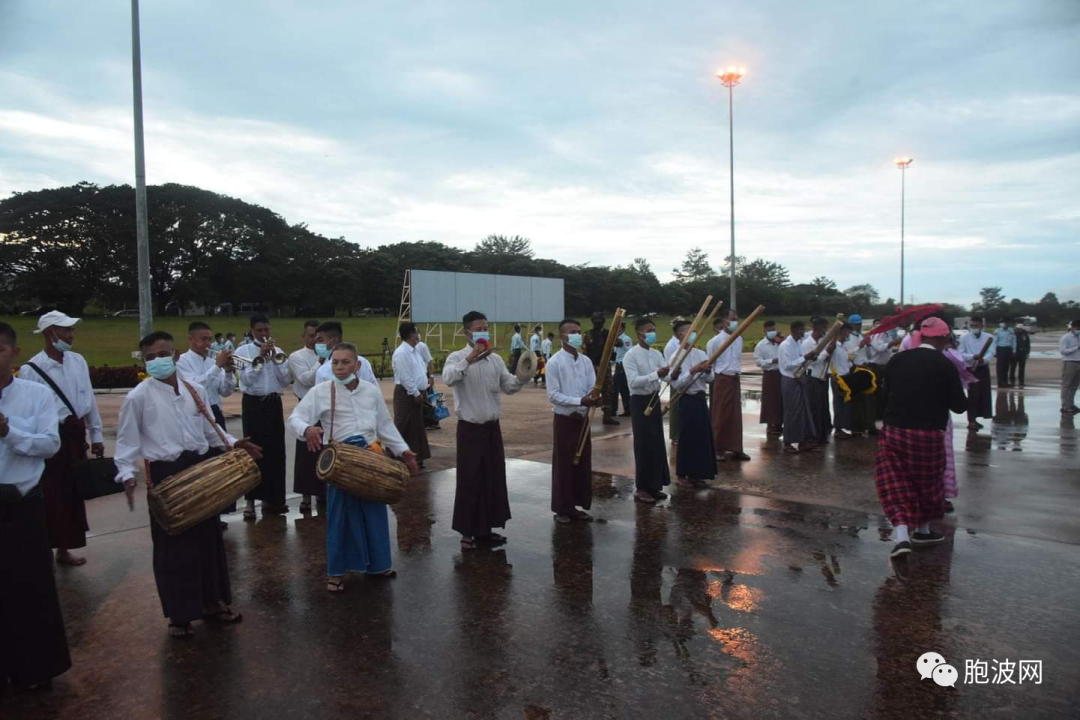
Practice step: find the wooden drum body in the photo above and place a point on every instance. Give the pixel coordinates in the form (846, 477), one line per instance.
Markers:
(202, 491)
(363, 473)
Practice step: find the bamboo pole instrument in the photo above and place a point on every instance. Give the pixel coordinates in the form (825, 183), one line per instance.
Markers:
(833, 333)
(698, 327)
(985, 347)
(601, 375)
(719, 351)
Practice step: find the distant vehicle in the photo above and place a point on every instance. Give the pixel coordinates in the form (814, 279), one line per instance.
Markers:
(125, 314)
(231, 309)
(384, 311)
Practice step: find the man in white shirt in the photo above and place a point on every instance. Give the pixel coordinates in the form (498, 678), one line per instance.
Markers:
(166, 422)
(327, 336)
(570, 388)
(817, 386)
(766, 355)
(303, 366)
(695, 456)
(1069, 345)
(478, 376)
(727, 391)
(66, 373)
(357, 531)
(545, 356)
(840, 366)
(215, 374)
(799, 430)
(34, 648)
(645, 368)
(679, 327)
(430, 420)
(863, 406)
(879, 347)
(517, 346)
(264, 417)
(410, 392)
(978, 350)
(621, 389)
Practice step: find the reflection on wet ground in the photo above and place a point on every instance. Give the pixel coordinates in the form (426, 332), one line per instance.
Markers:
(712, 604)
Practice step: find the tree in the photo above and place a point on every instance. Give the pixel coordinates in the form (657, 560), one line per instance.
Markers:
(991, 300)
(695, 266)
(863, 296)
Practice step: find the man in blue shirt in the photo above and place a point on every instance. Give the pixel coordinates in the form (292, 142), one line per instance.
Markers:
(1005, 346)
(517, 346)
(622, 389)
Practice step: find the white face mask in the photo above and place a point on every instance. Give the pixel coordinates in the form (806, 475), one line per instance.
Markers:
(345, 380)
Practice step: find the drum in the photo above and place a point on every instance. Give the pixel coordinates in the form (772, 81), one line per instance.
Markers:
(526, 366)
(202, 491)
(363, 473)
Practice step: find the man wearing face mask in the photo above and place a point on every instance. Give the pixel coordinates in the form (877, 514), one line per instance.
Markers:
(357, 531)
(410, 391)
(570, 381)
(478, 376)
(817, 385)
(695, 456)
(799, 430)
(165, 421)
(1069, 346)
(645, 368)
(767, 357)
(66, 373)
(727, 393)
(595, 340)
(1005, 347)
(1020, 357)
(327, 336)
(978, 349)
(303, 366)
(679, 327)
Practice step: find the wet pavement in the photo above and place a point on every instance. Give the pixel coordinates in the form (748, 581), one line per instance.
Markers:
(712, 604)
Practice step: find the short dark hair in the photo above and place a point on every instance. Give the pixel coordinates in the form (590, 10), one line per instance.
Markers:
(230, 335)
(330, 327)
(798, 325)
(978, 319)
(346, 346)
(819, 322)
(217, 335)
(517, 327)
(538, 328)
(568, 320)
(1075, 323)
(551, 335)
(406, 329)
(197, 325)
(848, 326)
(472, 316)
(259, 318)
(770, 323)
(8, 333)
(642, 322)
(679, 323)
(312, 324)
(153, 338)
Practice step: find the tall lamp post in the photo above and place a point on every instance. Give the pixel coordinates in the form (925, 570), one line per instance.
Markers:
(730, 77)
(142, 232)
(902, 163)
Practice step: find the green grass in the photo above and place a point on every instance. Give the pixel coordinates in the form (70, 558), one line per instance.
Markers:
(110, 341)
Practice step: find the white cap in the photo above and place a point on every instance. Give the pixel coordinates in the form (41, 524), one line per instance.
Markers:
(55, 317)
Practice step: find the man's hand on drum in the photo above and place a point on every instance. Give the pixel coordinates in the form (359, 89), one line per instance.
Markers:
(409, 458)
(250, 448)
(313, 437)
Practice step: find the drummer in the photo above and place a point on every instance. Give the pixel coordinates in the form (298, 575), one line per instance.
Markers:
(357, 531)
(166, 422)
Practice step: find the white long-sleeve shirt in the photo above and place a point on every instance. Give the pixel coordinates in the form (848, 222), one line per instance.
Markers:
(879, 351)
(158, 423)
(841, 360)
(640, 365)
(534, 343)
(971, 346)
(32, 412)
(73, 377)
(360, 411)
(325, 373)
(818, 368)
(859, 355)
(766, 353)
(730, 361)
(205, 371)
(410, 370)
(699, 385)
(790, 356)
(1069, 345)
(545, 348)
(272, 378)
(477, 387)
(569, 378)
(425, 353)
(303, 365)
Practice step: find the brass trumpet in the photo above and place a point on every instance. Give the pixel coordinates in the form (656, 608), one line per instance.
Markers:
(257, 362)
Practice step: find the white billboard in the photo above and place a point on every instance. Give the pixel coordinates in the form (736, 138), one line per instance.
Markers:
(439, 297)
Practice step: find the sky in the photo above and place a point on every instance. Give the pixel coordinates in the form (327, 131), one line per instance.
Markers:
(598, 130)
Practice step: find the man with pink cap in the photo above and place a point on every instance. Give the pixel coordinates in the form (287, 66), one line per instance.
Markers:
(921, 387)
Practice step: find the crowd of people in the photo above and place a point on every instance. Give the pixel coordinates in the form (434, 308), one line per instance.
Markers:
(173, 420)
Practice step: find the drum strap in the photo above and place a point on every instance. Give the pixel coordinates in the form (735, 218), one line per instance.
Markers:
(333, 408)
(206, 413)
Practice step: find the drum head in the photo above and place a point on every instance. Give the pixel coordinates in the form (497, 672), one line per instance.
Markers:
(526, 366)
(324, 462)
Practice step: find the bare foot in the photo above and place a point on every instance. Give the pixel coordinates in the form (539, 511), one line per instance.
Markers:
(63, 557)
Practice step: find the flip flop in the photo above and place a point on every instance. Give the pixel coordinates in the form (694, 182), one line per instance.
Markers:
(180, 630)
(225, 616)
(333, 586)
(562, 519)
(383, 575)
(71, 562)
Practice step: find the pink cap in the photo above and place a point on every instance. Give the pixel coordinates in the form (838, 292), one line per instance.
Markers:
(934, 327)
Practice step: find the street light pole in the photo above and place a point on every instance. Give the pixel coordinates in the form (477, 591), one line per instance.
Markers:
(902, 163)
(142, 230)
(730, 78)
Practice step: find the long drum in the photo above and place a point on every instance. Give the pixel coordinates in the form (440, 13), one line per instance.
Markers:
(202, 491)
(366, 474)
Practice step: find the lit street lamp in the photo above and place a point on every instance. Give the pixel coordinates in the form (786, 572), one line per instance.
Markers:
(902, 163)
(730, 77)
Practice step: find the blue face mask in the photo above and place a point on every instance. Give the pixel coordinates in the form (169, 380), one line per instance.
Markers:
(692, 338)
(650, 337)
(60, 345)
(346, 380)
(770, 334)
(161, 368)
(322, 351)
(481, 335)
(574, 340)
(733, 325)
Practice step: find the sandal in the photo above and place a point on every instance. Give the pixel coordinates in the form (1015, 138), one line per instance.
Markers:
(644, 497)
(468, 543)
(180, 630)
(494, 538)
(384, 575)
(224, 615)
(249, 513)
(305, 507)
(582, 515)
(335, 585)
(562, 519)
(791, 449)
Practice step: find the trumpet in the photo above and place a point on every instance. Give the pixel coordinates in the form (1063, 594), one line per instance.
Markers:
(257, 362)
